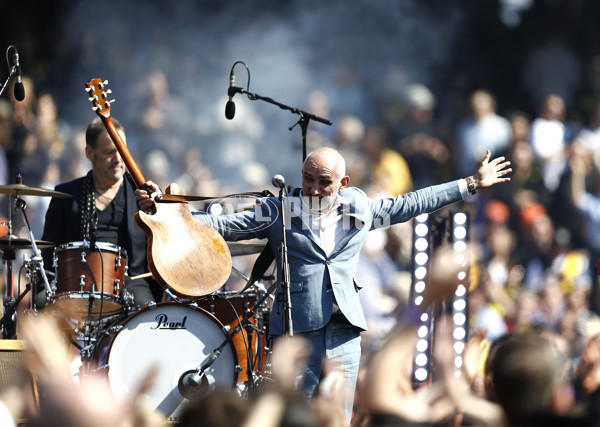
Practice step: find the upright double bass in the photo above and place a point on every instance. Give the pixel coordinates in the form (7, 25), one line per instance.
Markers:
(184, 255)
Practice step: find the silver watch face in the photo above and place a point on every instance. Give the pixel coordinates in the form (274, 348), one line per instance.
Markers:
(471, 186)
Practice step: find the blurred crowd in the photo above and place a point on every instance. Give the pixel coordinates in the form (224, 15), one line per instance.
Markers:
(537, 237)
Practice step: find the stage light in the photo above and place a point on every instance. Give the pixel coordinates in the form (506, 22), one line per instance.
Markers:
(421, 359)
(420, 277)
(459, 223)
(421, 375)
(419, 287)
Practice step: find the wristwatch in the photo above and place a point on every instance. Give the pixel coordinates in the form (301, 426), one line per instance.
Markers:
(471, 185)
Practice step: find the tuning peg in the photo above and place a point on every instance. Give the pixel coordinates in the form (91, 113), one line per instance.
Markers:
(96, 108)
(88, 89)
(108, 91)
(93, 99)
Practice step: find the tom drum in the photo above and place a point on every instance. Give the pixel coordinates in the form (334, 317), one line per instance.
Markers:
(89, 281)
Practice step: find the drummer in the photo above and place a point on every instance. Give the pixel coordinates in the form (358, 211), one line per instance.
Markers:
(102, 210)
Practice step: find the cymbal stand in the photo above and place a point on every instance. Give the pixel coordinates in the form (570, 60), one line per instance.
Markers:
(36, 259)
(262, 342)
(249, 327)
(191, 382)
(8, 321)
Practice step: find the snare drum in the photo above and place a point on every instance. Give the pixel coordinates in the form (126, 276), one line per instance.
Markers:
(168, 340)
(89, 281)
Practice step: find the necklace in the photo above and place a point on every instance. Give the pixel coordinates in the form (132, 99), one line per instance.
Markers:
(101, 195)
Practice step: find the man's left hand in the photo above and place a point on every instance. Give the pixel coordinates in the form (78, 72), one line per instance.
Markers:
(492, 172)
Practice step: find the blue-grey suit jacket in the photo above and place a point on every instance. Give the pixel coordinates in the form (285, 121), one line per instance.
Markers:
(315, 277)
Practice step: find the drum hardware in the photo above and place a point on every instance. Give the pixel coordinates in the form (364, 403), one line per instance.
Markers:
(89, 339)
(179, 300)
(91, 298)
(129, 306)
(36, 259)
(262, 350)
(8, 321)
(195, 383)
(9, 244)
(117, 258)
(193, 380)
(89, 342)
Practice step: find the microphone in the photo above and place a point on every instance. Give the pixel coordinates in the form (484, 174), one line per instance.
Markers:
(278, 181)
(230, 106)
(193, 385)
(19, 88)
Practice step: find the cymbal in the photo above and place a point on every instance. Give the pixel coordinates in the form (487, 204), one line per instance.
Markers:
(16, 243)
(246, 248)
(24, 190)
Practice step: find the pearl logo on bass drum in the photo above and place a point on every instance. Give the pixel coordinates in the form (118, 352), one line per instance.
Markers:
(162, 322)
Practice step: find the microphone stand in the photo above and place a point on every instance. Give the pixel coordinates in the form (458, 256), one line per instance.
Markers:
(285, 269)
(13, 70)
(304, 116)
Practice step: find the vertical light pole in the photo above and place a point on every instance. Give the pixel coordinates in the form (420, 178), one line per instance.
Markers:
(421, 254)
(459, 226)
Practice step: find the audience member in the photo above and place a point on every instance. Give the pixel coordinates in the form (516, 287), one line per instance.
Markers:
(483, 129)
(550, 136)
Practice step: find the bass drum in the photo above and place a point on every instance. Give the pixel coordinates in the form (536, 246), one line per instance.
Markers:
(167, 340)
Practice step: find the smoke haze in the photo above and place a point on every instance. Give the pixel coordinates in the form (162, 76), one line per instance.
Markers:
(355, 52)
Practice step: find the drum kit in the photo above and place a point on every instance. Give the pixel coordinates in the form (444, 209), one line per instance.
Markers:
(189, 345)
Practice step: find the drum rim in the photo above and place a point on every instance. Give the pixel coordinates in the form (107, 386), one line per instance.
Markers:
(86, 295)
(105, 246)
